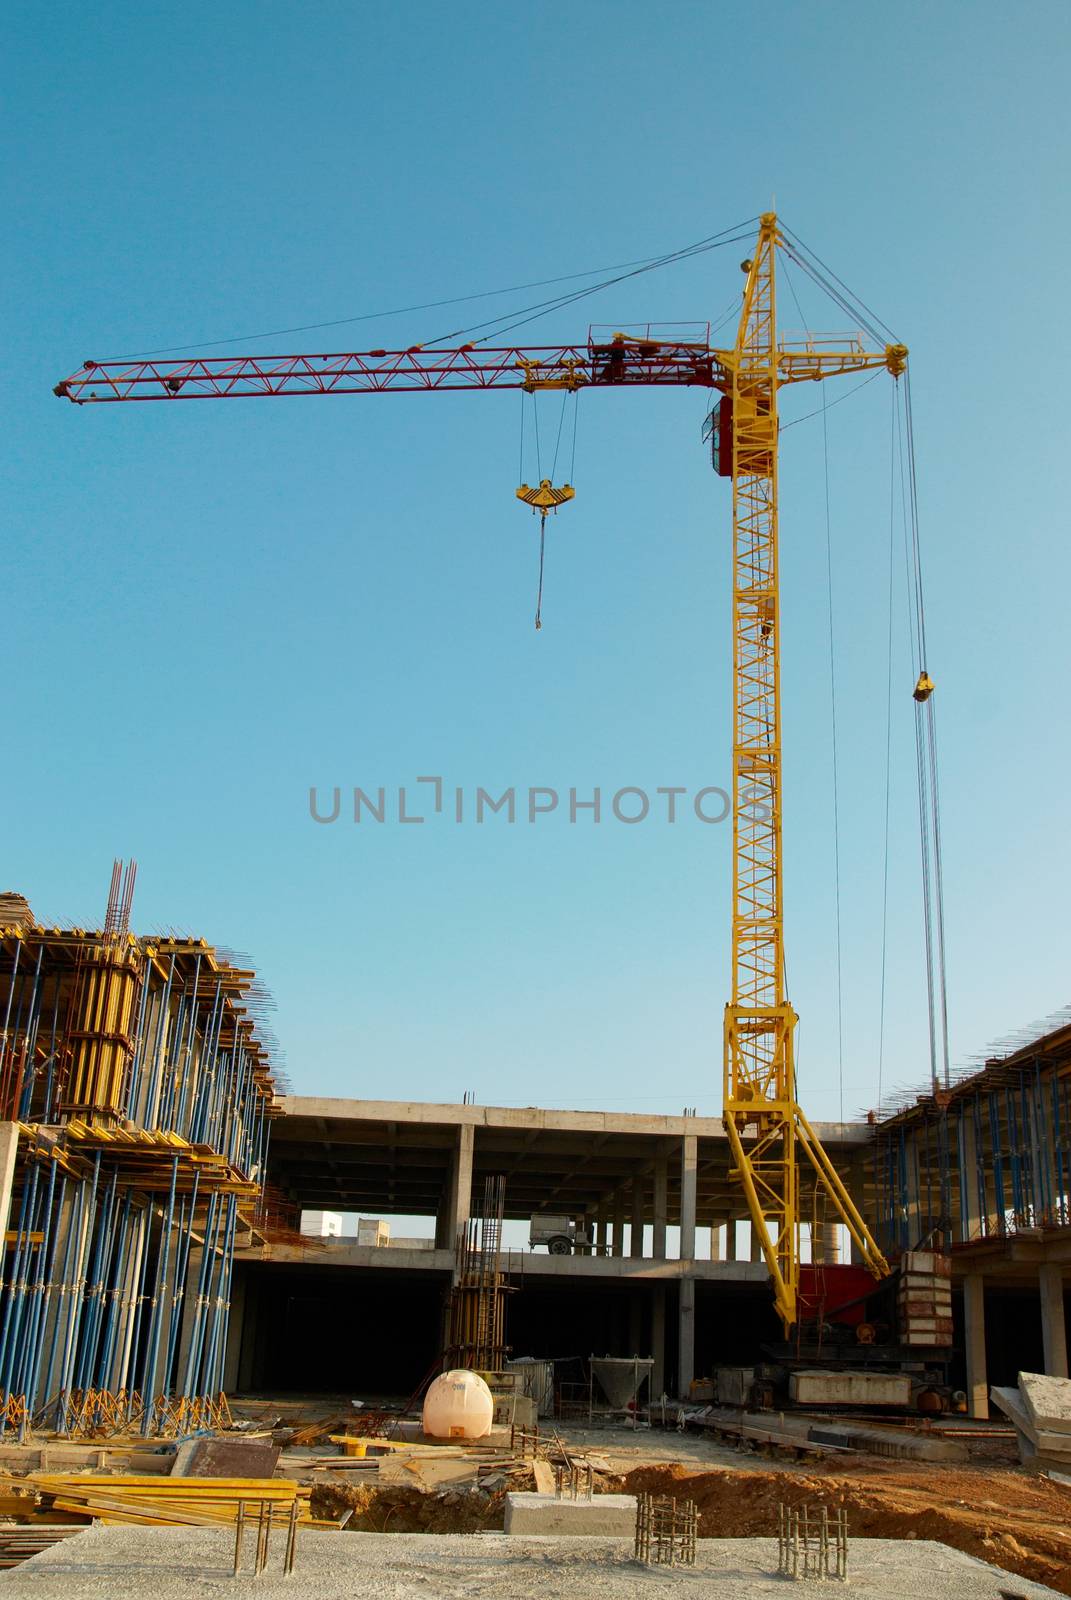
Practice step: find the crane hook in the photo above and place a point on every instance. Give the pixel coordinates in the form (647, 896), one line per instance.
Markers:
(545, 498)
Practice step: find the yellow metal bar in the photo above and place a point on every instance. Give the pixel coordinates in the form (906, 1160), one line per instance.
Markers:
(837, 1190)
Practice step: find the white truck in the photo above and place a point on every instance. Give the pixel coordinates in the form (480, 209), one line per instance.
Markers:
(562, 1235)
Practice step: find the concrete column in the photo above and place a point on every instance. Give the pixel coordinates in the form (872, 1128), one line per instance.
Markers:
(912, 1197)
(715, 1241)
(459, 1209)
(9, 1146)
(686, 1338)
(602, 1228)
(235, 1324)
(974, 1339)
(825, 1242)
(689, 1163)
(635, 1243)
(444, 1213)
(619, 1223)
(686, 1327)
(756, 1247)
(730, 1239)
(658, 1341)
(1053, 1322)
(661, 1212)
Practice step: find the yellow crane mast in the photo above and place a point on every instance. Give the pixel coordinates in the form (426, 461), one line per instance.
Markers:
(759, 1085)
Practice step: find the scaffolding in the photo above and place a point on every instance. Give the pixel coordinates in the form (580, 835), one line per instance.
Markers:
(986, 1159)
(136, 1096)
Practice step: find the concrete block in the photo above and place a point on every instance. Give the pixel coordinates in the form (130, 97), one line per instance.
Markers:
(514, 1410)
(849, 1388)
(733, 1385)
(1048, 1400)
(896, 1443)
(1040, 1436)
(1010, 1401)
(606, 1516)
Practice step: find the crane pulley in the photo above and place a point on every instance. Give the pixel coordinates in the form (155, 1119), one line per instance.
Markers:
(767, 1130)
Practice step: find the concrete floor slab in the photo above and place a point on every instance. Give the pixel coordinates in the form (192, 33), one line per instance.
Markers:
(179, 1563)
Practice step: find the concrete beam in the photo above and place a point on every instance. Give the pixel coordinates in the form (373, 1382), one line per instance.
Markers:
(396, 1258)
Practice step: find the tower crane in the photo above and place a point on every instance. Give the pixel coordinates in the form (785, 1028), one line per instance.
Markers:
(768, 1132)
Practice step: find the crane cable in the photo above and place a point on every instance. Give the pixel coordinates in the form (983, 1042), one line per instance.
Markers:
(888, 746)
(926, 718)
(645, 264)
(925, 715)
(836, 776)
(925, 758)
(542, 547)
(543, 510)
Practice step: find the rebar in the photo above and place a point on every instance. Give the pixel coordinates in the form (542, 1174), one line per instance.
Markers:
(665, 1530)
(574, 1480)
(812, 1542)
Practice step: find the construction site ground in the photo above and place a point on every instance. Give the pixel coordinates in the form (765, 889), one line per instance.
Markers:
(175, 1563)
(986, 1506)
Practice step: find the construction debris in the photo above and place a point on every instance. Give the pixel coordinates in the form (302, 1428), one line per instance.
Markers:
(225, 1458)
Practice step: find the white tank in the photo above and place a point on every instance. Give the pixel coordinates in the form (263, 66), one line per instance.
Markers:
(458, 1406)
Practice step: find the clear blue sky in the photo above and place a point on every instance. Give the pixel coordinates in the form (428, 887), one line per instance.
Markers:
(208, 608)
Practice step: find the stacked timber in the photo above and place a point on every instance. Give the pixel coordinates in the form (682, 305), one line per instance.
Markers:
(925, 1299)
(19, 1544)
(152, 1501)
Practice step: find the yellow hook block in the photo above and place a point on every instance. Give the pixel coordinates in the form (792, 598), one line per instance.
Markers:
(546, 497)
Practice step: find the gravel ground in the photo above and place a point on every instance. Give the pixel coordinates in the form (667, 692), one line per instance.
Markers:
(177, 1563)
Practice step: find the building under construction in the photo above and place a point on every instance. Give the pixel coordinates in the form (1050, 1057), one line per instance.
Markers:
(135, 1101)
(154, 1258)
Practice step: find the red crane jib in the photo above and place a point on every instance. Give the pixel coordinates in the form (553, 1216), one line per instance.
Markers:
(618, 362)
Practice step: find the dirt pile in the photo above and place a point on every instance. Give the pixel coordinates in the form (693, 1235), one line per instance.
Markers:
(1015, 1522)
